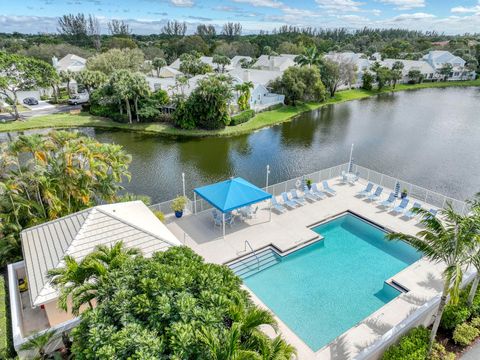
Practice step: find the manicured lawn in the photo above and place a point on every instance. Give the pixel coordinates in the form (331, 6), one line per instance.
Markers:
(264, 119)
(4, 326)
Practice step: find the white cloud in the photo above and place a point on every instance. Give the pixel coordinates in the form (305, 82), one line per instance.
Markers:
(405, 4)
(340, 5)
(376, 12)
(353, 18)
(415, 16)
(262, 3)
(465, 10)
(182, 3)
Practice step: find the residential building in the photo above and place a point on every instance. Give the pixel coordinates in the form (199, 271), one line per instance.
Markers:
(424, 67)
(69, 62)
(44, 247)
(236, 61)
(439, 58)
(260, 97)
(358, 59)
(274, 63)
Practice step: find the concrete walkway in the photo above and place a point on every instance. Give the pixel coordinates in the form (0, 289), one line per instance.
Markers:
(473, 353)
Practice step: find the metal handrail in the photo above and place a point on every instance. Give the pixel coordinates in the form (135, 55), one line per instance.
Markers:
(253, 251)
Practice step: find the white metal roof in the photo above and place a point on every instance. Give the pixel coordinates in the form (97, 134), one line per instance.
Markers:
(77, 235)
(71, 62)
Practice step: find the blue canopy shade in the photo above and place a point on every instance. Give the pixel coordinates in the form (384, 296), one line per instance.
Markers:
(232, 194)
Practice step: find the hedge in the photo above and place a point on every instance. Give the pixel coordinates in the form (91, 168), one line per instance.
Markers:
(244, 116)
(4, 333)
(413, 346)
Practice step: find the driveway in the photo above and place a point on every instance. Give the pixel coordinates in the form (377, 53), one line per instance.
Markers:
(42, 111)
(42, 105)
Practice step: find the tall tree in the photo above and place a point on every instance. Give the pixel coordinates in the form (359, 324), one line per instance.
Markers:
(330, 73)
(93, 30)
(175, 28)
(90, 79)
(231, 29)
(445, 239)
(20, 73)
(119, 28)
(206, 31)
(44, 177)
(158, 63)
(311, 56)
(221, 61)
(397, 72)
(474, 217)
(445, 71)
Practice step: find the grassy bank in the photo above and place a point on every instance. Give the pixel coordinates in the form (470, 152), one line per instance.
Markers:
(5, 334)
(261, 120)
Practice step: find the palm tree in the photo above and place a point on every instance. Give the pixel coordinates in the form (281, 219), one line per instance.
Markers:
(445, 240)
(73, 281)
(311, 56)
(111, 257)
(475, 245)
(39, 342)
(277, 349)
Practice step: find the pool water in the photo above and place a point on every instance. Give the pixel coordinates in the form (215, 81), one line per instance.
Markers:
(326, 288)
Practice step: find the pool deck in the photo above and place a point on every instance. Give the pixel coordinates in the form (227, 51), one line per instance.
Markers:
(291, 230)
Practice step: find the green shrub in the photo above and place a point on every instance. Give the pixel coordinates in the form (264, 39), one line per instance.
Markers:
(244, 116)
(440, 353)
(464, 334)
(412, 346)
(454, 315)
(475, 322)
(160, 215)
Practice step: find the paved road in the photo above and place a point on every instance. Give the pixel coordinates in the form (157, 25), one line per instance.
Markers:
(29, 114)
(473, 353)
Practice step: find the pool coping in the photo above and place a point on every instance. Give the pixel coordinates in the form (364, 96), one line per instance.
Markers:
(297, 247)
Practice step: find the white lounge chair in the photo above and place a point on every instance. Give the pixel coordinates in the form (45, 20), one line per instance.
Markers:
(300, 200)
(367, 191)
(376, 195)
(316, 191)
(287, 202)
(389, 202)
(309, 195)
(402, 207)
(412, 213)
(328, 189)
(276, 206)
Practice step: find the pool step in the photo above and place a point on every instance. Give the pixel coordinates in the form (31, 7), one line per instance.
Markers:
(252, 264)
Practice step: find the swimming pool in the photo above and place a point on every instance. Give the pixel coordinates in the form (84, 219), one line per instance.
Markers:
(324, 289)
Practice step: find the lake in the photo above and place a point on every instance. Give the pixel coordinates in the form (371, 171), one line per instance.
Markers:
(429, 137)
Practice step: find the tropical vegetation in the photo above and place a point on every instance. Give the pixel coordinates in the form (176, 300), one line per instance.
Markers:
(174, 305)
(44, 177)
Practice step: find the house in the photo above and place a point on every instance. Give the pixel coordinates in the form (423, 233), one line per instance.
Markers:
(169, 72)
(260, 97)
(44, 247)
(274, 63)
(424, 67)
(236, 61)
(69, 62)
(205, 59)
(360, 61)
(439, 58)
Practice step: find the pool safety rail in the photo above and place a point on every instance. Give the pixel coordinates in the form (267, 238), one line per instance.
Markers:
(365, 175)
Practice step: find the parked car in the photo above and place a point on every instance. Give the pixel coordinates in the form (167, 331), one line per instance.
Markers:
(30, 101)
(79, 99)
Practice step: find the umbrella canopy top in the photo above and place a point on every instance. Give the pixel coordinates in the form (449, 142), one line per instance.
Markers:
(232, 194)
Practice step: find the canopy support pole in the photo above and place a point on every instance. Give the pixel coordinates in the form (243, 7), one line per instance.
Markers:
(195, 202)
(270, 211)
(223, 222)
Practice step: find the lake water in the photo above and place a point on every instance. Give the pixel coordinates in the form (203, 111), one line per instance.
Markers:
(428, 137)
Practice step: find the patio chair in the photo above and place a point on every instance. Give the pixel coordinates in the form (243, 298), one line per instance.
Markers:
(327, 189)
(343, 178)
(309, 195)
(402, 207)
(376, 195)
(352, 179)
(389, 202)
(300, 200)
(367, 191)
(287, 202)
(410, 214)
(229, 219)
(316, 191)
(433, 213)
(217, 220)
(277, 206)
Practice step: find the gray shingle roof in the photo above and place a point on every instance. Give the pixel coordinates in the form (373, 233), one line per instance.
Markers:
(45, 245)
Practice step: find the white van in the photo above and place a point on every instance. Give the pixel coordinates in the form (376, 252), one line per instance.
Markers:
(81, 98)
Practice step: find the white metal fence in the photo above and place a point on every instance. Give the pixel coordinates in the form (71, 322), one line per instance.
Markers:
(388, 182)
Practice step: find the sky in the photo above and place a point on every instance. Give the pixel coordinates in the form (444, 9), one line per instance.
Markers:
(149, 16)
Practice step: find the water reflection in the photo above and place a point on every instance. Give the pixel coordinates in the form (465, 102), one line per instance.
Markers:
(428, 137)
